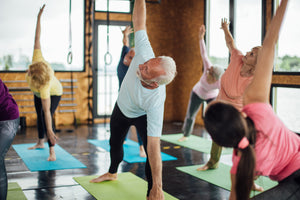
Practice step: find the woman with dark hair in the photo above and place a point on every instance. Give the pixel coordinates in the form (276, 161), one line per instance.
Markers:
(47, 92)
(9, 122)
(262, 144)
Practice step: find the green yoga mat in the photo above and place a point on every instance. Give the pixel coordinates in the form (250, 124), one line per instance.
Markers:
(193, 142)
(127, 187)
(221, 177)
(14, 192)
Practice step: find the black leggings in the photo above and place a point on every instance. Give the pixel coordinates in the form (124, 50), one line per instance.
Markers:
(41, 124)
(119, 125)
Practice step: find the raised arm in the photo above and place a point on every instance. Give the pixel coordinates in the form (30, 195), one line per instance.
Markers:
(139, 15)
(205, 60)
(126, 33)
(37, 44)
(259, 89)
(228, 37)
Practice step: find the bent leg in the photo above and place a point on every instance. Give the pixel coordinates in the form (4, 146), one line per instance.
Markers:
(215, 154)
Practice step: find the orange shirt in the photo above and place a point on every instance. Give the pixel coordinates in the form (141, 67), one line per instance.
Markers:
(233, 84)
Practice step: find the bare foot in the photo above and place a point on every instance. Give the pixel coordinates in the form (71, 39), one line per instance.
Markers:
(142, 152)
(105, 177)
(39, 145)
(182, 139)
(256, 187)
(52, 156)
(203, 168)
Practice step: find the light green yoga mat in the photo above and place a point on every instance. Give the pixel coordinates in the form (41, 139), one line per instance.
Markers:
(221, 177)
(14, 192)
(193, 142)
(127, 187)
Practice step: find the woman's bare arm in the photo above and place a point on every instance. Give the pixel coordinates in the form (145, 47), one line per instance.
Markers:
(259, 89)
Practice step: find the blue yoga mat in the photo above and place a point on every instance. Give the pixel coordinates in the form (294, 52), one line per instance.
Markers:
(131, 151)
(36, 159)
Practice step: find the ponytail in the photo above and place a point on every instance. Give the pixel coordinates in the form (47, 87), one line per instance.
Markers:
(246, 167)
(245, 173)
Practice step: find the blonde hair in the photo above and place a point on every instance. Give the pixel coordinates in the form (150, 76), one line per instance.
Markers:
(40, 74)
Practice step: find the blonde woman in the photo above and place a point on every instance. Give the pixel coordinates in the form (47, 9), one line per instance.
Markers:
(47, 93)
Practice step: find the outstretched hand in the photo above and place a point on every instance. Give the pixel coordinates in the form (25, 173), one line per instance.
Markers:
(41, 11)
(224, 23)
(127, 31)
(202, 32)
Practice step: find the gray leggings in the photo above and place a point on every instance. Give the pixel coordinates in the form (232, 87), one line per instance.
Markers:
(8, 131)
(193, 108)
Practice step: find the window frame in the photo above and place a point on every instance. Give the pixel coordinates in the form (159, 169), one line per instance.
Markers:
(281, 86)
(95, 62)
(280, 72)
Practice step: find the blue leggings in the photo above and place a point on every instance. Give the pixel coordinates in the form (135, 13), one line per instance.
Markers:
(8, 131)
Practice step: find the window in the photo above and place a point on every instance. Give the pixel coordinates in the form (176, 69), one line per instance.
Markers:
(288, 53)
(215, 40)
(18, 30)
(106, 84)
(246, 22)
(247, 18)
(287, 106)
(122, 6)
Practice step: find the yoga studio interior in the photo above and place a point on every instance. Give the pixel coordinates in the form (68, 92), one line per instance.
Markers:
(82, 40)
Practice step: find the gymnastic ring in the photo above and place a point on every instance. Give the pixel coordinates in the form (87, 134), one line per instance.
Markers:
(70, 57)
(107, 56)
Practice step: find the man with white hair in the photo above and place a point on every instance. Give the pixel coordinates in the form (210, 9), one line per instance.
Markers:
(141, 103)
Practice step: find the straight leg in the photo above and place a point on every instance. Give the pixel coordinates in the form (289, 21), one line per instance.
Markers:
(193, 108)
(119, 126)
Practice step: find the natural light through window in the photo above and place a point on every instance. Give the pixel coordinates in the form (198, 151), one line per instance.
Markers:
(17, 34)
(288, 59)
(215, 40)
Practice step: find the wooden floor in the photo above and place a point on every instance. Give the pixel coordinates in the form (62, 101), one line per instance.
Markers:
(58, 184)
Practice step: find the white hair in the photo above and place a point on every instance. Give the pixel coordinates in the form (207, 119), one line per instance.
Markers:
(169, 66)
(218, 71)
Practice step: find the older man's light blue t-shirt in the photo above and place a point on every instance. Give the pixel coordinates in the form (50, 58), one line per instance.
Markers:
(134, 100)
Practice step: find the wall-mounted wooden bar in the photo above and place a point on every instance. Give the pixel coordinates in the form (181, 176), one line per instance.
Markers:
(113, 16)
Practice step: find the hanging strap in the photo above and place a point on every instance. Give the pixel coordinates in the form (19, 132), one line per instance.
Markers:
(70, 54)
(107, 55)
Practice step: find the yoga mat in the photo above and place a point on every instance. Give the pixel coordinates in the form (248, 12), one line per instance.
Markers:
(36, 159)
(221, 177)
(131, 151)
(14, 192)
(127, 187)
(193, 142)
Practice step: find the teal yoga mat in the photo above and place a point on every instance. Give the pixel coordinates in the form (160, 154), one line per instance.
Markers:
(127, 187)
(36, 159)
(221, 177)
(193, 142)
(131, 151)
(14, 192)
